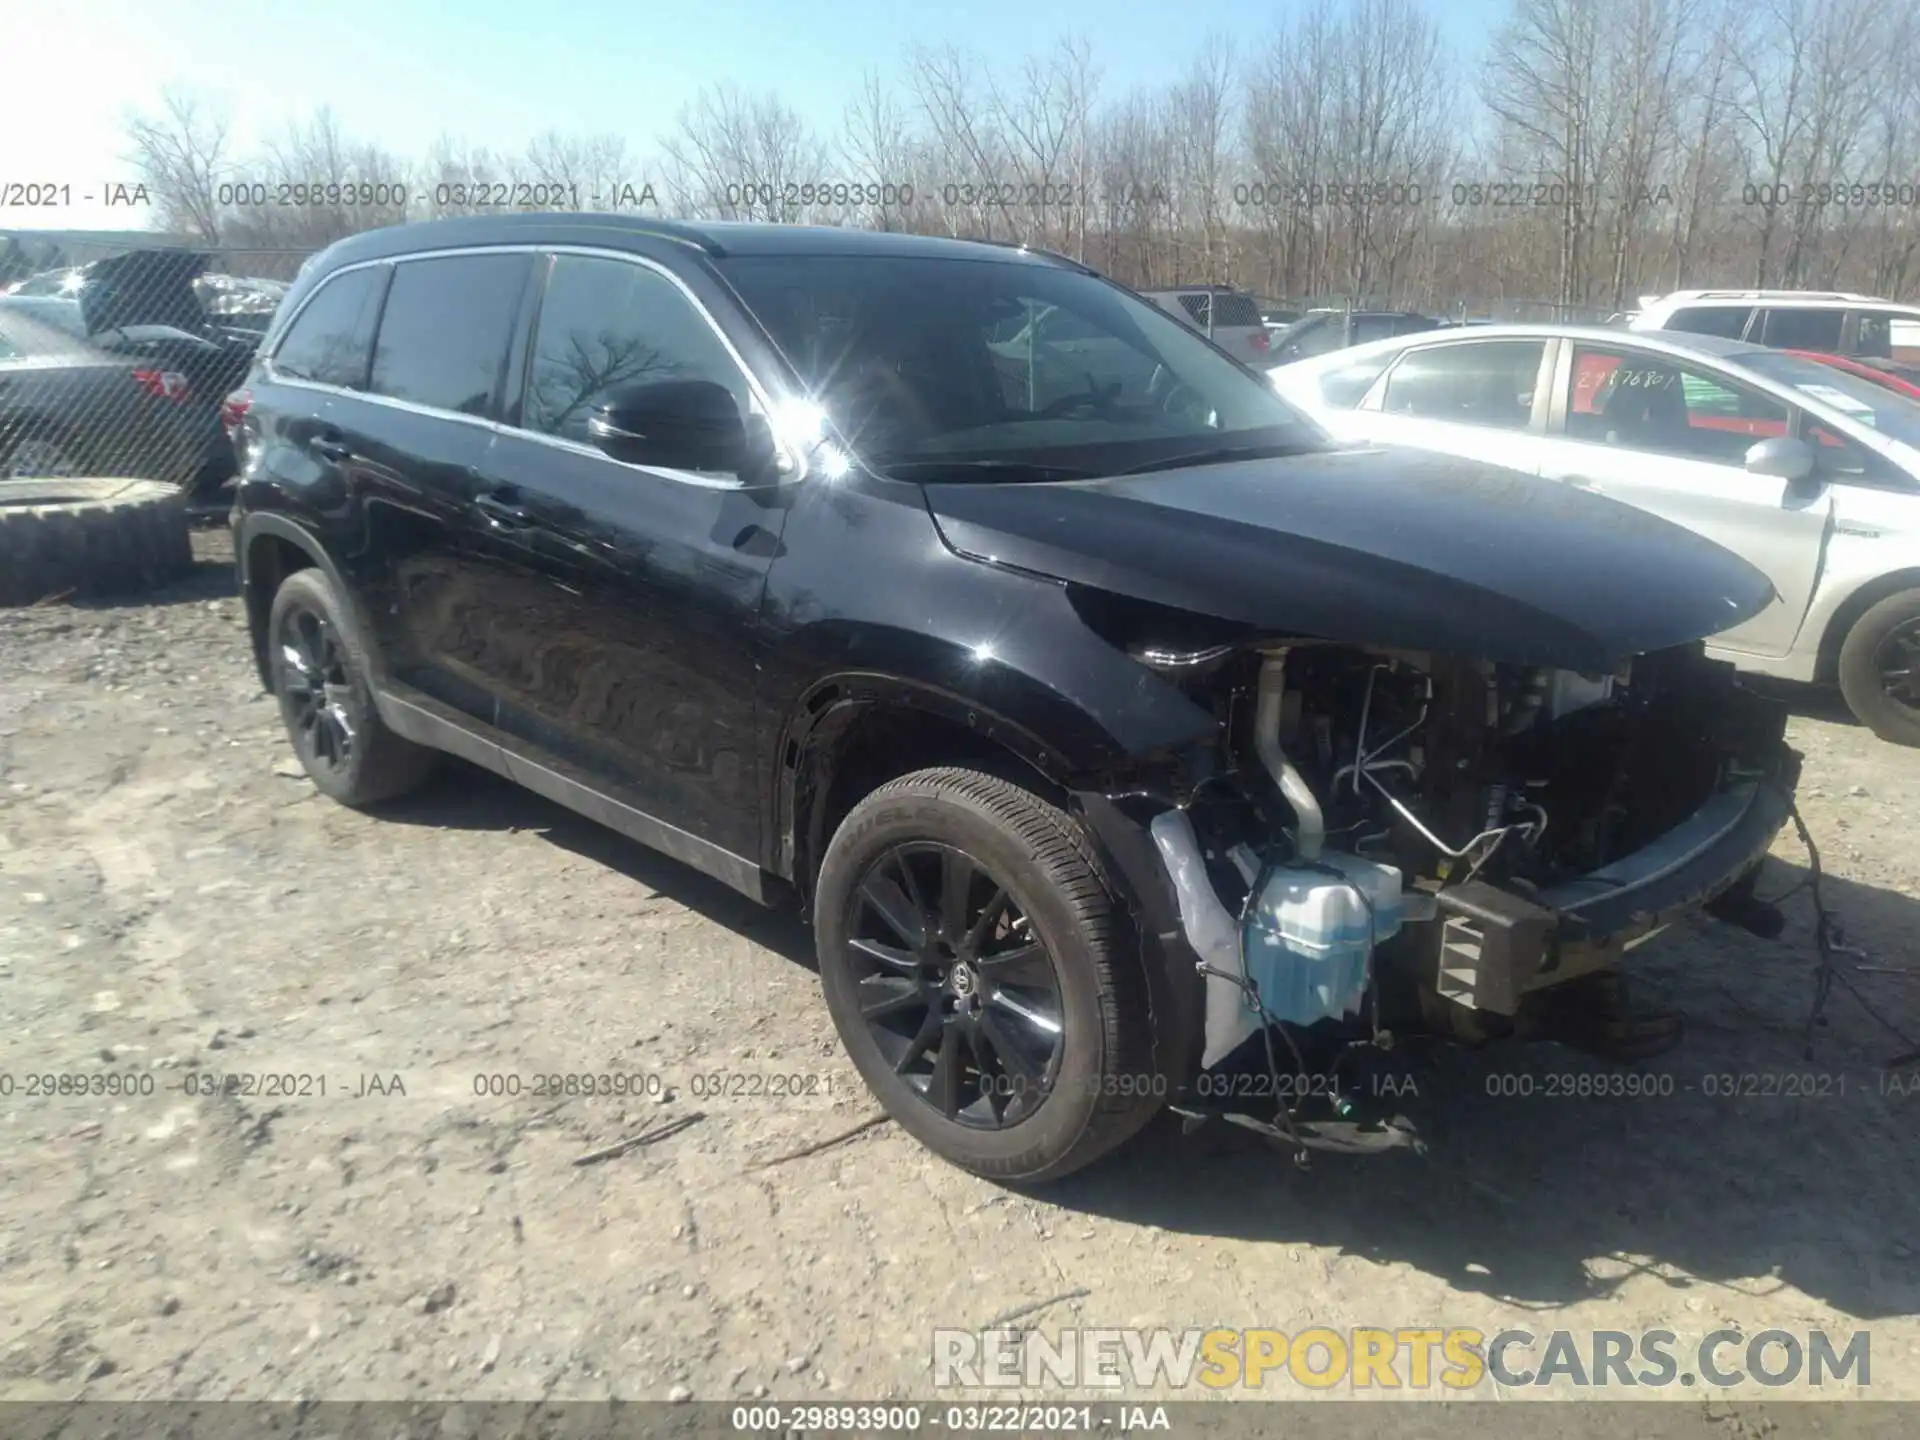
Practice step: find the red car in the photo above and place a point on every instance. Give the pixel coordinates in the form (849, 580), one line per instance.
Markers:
(1888, 374)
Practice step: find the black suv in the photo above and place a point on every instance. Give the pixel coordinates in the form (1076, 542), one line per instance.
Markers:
(1082, 698)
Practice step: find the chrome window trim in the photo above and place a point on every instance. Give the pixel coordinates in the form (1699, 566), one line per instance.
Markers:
(792, 467)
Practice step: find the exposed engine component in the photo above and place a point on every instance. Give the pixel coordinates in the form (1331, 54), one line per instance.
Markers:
(1481, 811)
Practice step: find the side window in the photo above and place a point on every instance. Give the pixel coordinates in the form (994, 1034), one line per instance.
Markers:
(331, 339)
(1647, 402)
(1727, 321)
(1367, 328)
(1845, 460)
(1488, 383)
(1199, 307)
(605, 324)
(1885, 334)
(1313, 337)
(1803, 329)
(1345, 386)
(446, 328)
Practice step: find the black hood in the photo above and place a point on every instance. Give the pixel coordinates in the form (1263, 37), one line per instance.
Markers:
(1387, 547)
(144, 287)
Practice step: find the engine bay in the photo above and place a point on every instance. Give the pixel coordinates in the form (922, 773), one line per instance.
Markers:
(1431, 815)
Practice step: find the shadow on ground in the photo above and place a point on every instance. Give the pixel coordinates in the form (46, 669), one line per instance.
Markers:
(1741, 1164)
(467, 797)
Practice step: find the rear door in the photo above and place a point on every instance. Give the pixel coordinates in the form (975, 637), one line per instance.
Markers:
(1671, 437)
(622, 599)
(416, 444)
(1485, 399)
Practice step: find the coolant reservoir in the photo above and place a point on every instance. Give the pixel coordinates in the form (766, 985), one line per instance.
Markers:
(1308, 939)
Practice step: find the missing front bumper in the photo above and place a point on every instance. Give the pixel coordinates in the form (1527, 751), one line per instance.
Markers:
(1497, 947)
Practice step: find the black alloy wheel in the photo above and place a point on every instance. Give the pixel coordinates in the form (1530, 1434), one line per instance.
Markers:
(1897, 660)
(318, 691)
(321, 678)
(958, 993)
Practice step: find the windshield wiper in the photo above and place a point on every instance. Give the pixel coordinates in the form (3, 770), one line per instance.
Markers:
(1011, 471)
(1220, 455)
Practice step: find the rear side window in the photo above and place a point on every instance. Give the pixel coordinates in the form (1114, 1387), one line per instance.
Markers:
(1488, 383)
(1235, 310)
(607, 324)
(446, 328)
(331, 339)
(1727, 321)
(1197, 308)
(1803, 329)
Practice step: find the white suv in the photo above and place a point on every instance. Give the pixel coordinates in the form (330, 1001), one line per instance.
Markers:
(1834, 322)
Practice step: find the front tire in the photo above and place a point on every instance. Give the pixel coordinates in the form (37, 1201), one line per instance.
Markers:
(321, 679)
(973, 963)
(1880, 668)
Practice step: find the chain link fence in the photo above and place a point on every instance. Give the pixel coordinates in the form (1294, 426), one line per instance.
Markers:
(117, 352)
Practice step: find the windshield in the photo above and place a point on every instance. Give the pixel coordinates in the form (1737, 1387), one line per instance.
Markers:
(1858, 399)
(988, 369)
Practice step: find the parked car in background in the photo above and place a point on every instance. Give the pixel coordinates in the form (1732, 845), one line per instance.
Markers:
(1811, 472)
(1835, 322)
(1319, 332)
(1891, 374)
(160, 305)
(69, 407)
(768, 547)
(1228, 317)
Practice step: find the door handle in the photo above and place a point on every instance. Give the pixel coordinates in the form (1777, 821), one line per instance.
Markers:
(502, 508)
(330, 448)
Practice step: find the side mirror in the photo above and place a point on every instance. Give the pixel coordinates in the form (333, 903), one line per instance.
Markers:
(1784, 458)
(678, 424)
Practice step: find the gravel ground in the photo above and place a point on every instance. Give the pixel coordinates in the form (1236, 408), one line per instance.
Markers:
(176, 903)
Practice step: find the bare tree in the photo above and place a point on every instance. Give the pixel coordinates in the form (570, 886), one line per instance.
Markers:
(181, 157)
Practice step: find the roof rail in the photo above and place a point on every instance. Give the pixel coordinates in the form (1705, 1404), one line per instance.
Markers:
(1684, 295)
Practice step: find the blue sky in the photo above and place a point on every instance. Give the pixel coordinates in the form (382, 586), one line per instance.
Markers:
(498, 73)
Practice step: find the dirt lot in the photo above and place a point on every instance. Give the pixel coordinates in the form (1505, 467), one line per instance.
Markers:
(176, 904)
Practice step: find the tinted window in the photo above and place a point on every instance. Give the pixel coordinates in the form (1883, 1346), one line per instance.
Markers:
(1803, 329)
(1197, 308)
(926, 363)
(1884, 333)
(329, 341)
(1347, 385)
(1373, 327)
(445, 330)
(1235, 310)
(1727, 321)
(605, 324)
(1489, 384)
(1315, 335)
(1647, 402)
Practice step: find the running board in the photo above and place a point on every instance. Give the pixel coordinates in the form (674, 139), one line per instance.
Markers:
(423, 727)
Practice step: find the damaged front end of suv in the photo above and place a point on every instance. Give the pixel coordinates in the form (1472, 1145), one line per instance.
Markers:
(1447, 800)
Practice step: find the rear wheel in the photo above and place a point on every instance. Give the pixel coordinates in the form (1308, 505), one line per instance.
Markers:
(321, 678)
(972, 962)
(1880, 668)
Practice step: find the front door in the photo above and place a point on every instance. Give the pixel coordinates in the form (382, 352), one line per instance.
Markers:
(1672, 438)
(623, 598)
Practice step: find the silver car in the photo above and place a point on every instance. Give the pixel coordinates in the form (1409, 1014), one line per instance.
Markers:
(1808, 472)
